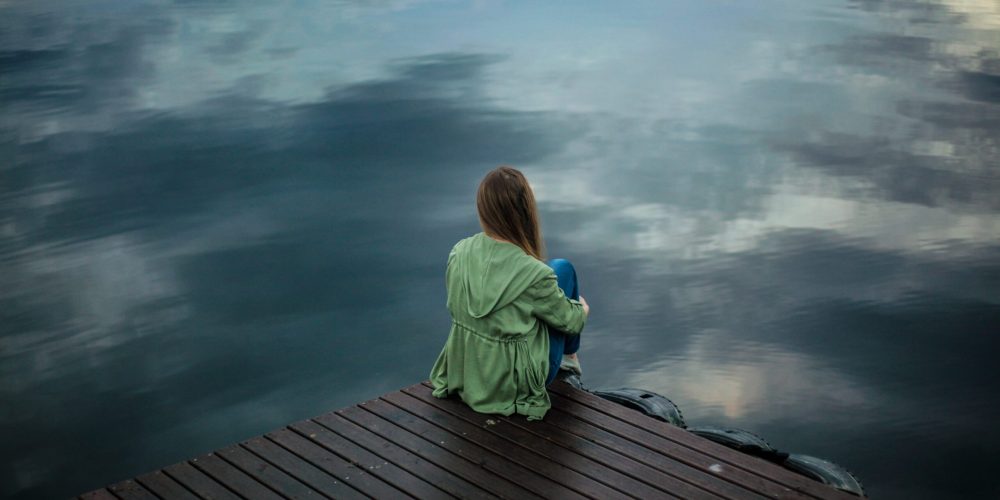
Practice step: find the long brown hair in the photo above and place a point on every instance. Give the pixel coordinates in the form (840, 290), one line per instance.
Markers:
(507, 210)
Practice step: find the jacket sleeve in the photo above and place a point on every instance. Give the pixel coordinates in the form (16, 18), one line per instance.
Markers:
(551, 305)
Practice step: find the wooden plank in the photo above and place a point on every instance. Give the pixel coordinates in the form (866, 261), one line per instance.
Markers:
(297, 460)
(569, 457)
(196, 481)
(569, 433)
(389, 472)
(705, 467)
(234, 479)
(431, 452)
(409, 443)
(505, 466)
(661, 460)
(440, 477)
(656, 433)
(164, 487)
(265, 473)
(523, 455)
(101, 494)
(131, 490)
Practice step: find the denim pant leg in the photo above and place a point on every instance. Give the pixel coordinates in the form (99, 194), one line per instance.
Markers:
(561, 343)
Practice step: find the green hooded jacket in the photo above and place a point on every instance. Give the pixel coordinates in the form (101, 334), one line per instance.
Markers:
(502, 302)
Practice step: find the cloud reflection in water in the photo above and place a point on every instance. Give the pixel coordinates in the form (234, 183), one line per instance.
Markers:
(784, 215)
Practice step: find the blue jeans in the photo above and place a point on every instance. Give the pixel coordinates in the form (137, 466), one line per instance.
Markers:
(562, 343)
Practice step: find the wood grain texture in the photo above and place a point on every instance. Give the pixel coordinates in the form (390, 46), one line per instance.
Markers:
(410, 444)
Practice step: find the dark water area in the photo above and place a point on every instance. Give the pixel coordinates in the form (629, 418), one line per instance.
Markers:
(220, 217)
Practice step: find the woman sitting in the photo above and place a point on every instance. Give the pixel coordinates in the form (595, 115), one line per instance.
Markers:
(516, 320)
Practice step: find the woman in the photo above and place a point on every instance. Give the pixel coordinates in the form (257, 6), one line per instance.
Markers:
(513, 326)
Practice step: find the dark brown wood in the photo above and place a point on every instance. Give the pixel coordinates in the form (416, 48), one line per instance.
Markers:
(658, 434)
(567, 433)
(389, 472)
(315, 466)
(265, 473)
(101, 494)
(131, 490)
(410, 444)
(462, 446)
(234, 479)
(433, 453)
(440, 477)
(196, 481)
(624, 484)
(164, 487)
(705, 468)
(522, 455)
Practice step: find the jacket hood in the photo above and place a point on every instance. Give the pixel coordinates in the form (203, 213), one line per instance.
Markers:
(493, 273)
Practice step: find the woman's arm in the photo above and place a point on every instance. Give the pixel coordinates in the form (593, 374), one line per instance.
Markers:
(551, 306)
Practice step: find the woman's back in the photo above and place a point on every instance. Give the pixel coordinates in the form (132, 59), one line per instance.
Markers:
(483, 277)
(502, 302)
(503, 299)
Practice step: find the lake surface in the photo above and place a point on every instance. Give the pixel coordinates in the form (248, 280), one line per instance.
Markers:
(220, 217)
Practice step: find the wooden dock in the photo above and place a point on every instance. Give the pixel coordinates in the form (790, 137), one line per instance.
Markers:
(410, 444)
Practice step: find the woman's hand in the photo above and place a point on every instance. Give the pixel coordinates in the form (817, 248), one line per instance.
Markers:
(586, 307)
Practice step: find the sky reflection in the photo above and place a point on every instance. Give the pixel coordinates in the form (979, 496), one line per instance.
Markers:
(785, 216)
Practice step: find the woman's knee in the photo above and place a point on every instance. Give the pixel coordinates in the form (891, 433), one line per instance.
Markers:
(562, 267)
(566, 276)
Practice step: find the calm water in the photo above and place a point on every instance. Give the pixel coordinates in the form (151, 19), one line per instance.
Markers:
(220, 217)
